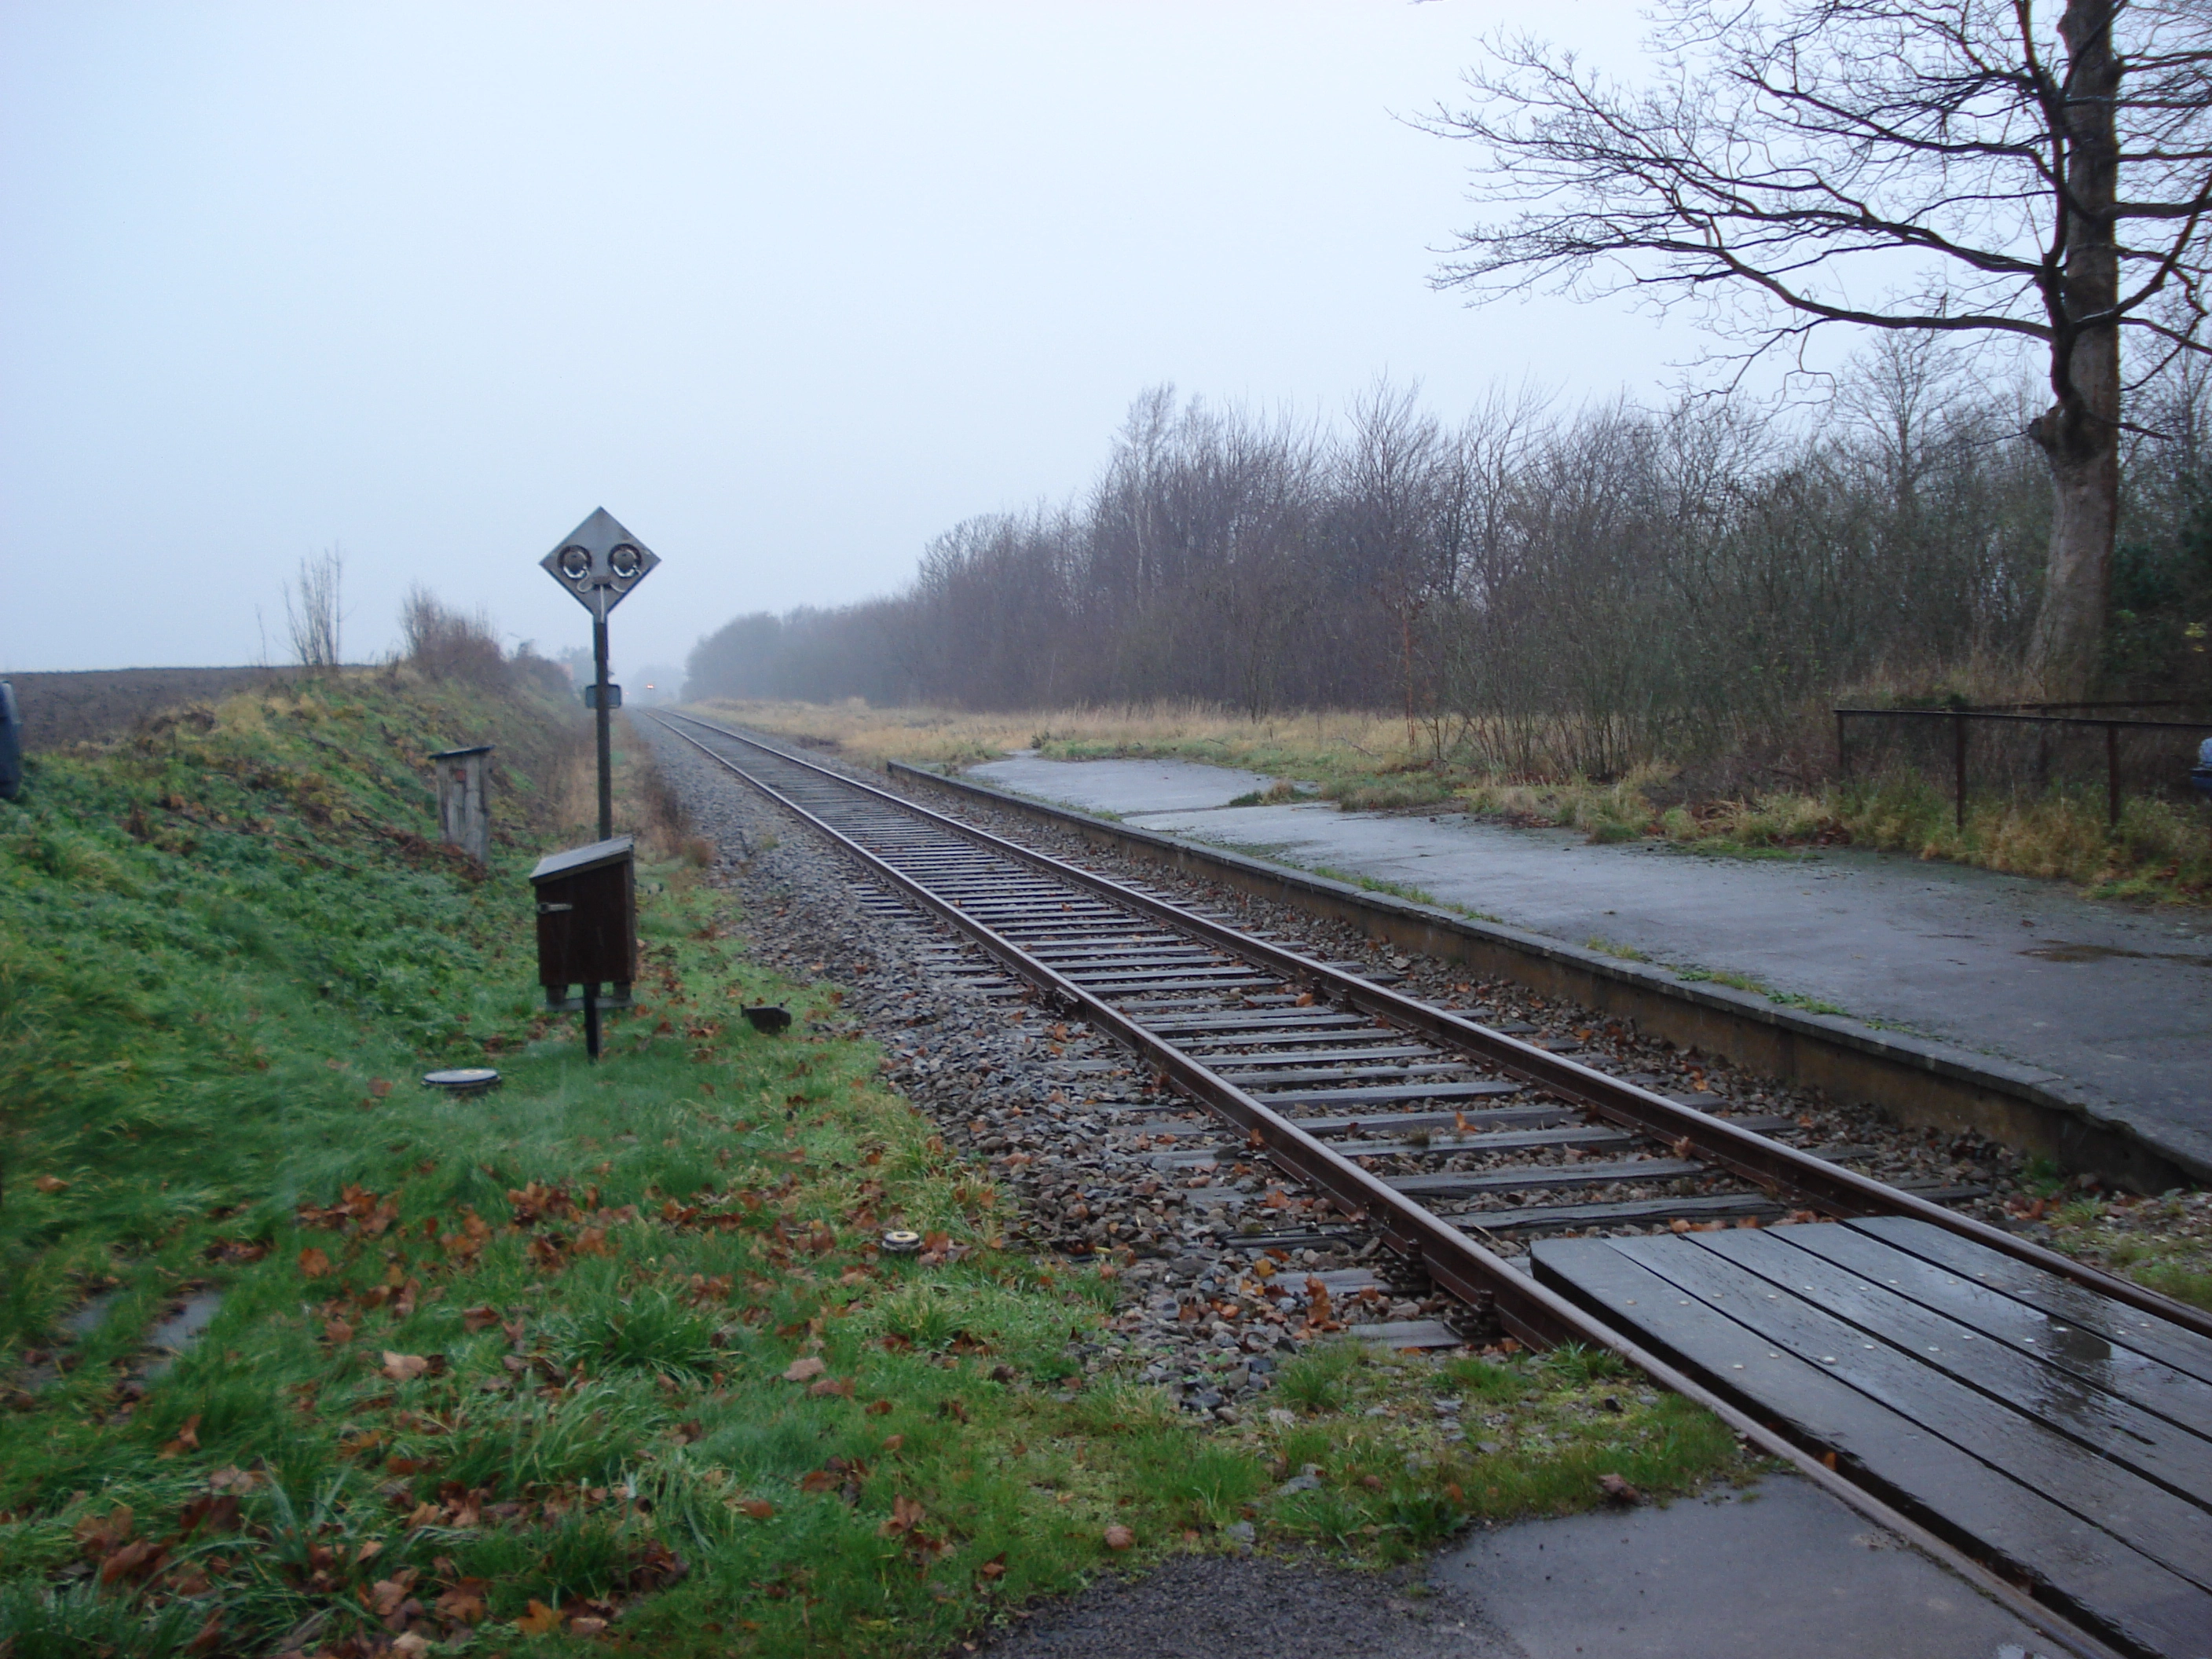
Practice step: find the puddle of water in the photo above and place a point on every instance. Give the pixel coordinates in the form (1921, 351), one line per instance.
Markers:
(92, 1315)
(2061, 951)
(180, 1330)
(79, 1321)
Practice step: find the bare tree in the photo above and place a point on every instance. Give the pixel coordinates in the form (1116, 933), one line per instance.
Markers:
(313, 612)
(1961, 167)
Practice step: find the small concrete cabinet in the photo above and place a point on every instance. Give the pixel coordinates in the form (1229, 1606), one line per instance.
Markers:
(464, 810)
(587, 924)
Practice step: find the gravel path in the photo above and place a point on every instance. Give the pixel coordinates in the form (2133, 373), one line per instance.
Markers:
(1211, 1607)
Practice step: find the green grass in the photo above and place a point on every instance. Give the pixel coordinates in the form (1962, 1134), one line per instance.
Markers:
(1405, 890)
(1607, 947)
(610, 1339)
(2163, 1242)
(1758, 987)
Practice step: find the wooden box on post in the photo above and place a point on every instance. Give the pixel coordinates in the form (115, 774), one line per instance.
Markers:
(587, 929)
(464, 807)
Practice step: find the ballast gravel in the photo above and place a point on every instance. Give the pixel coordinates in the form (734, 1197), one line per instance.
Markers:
(1206, 1606)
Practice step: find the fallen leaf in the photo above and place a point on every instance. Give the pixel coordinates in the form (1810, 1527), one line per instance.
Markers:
(1618, 1490)
(540, 1620)
(188, 1440)
(587, 1626)
(879, 1408)
(411, 1643)
(137, 1560)
(833, 1385)
(315, 1262)
(905, 1515)
(799, 1370)
(98, 1535)
(1119, 1537)
(893, 1442)
(994, 1568)
(379, 1087)
(337, 1332)
(51, 1184)
(759, 1508)
(387, 1593)
(479, 1318)
(404, 1367)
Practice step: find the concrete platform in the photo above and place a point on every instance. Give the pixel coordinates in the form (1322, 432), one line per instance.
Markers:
(1775, 1568)
(2111, 1001)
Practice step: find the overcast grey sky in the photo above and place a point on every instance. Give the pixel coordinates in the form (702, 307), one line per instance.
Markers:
(789, 287)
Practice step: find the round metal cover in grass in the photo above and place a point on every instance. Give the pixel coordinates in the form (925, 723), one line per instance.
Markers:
(901, 1242)
(463, 1080)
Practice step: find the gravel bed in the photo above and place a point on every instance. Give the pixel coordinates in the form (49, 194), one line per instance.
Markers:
(1217, 1259)
(1204, 1606)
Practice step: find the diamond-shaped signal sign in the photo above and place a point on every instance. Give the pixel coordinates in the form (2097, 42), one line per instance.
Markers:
(599, 561)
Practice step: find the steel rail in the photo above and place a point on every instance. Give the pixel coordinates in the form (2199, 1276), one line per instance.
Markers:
(1768, 1164)
(1532, 1311)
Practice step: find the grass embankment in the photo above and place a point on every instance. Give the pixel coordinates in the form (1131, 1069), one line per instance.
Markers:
(608, 1357)
(1364, 762)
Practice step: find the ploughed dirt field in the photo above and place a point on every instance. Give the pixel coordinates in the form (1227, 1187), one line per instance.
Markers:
(59, 709)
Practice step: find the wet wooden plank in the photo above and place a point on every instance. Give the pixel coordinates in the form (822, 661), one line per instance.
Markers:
(2066, 1302)
(1494, 1117)
(2077, 1349)
(1282, 1036)
(1788, 1259)
(1504, 1141)
(1230, 1020)
(1382, 1094)
(2160, 1524)
(2085, 1570)
(1624, 1212)
(1537, 1177)
(1408, 1333)
(1272, 1055)
(1442, 1069)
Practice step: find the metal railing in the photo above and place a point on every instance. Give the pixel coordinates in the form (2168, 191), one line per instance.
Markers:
(2152, 757)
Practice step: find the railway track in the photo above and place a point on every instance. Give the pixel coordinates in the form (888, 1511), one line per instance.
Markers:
(1452, 1140)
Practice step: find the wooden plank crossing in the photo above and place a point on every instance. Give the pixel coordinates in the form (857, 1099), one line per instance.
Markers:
(2063, 1438)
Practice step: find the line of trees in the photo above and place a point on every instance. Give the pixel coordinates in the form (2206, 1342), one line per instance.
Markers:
(1544, 589)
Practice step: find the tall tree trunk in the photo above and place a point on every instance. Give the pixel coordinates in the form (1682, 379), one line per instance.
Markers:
(2080, 434)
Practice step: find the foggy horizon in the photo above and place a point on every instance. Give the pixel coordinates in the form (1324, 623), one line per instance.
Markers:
(391, 281)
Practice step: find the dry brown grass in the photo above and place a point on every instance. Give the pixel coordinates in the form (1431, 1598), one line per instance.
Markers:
(646, 806)
(1324, 742)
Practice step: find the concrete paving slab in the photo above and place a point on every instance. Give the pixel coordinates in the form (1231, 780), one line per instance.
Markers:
(1778, 1567)
(2113, 999)
(1155, 785)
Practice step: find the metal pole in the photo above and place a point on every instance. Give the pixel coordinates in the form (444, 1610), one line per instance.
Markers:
(2113, 774)
(606, 761)
(592, 1021)
(1843, 754)
(1959, 767)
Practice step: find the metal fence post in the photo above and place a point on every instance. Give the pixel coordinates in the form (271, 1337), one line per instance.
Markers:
(1958, 766)
(1843, 754)
(2112, 773)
